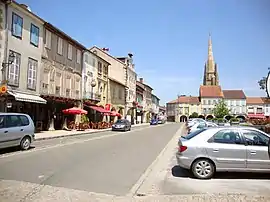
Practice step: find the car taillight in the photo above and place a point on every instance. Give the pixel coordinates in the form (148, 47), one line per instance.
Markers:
(182, 148)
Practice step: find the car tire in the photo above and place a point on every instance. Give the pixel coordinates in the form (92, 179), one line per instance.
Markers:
(203, 169)
(25, 143)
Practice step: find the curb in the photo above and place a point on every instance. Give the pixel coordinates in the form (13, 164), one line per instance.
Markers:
(83, 133)
(136, 187)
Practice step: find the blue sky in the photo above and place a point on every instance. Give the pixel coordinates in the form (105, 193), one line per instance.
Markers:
(169, 38)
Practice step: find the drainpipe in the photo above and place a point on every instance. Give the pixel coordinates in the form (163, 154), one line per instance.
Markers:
(4, 71)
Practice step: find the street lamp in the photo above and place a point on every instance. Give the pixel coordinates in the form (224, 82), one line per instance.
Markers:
(11, 59)
(93, 84)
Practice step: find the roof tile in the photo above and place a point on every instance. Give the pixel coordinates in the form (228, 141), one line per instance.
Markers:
(211, 92)
(234, 94)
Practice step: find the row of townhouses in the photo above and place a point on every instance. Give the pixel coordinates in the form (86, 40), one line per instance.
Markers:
(239, 105)
(45, 71)
(210, 93)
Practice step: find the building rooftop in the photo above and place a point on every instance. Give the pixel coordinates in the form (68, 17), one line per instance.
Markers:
(211, 92)
(234, 94)
(255, 100)
(186, 99)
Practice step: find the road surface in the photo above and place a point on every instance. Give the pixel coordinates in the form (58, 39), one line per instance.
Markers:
(108, 162)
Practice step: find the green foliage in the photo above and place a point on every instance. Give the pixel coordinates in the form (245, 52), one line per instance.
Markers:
(221, 109)
(234, 119)
(84, 119)
(194, 115)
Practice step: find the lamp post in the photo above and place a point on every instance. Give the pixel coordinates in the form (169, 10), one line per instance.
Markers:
(5, 66)
(11, 59)
(93, 84)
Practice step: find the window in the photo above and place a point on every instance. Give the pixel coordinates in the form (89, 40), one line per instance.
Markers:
(120, 93)
(24, 120)
(2, 121)
(13, 121)
(193, 134)
(48, 39)
(113, 93)
(105, 69)
(67, 92)
(32, 73)
(86, 58)
(227, 137)
(204, 102)
(93, 62)
(209, 102)
(17, 25)
(99, 67)
(259, 110)
(57, 90)
(14, 70)
(70, 51)
(34, 35)
(255, 138)
(60, 46)
(201, 125)
(79, 56)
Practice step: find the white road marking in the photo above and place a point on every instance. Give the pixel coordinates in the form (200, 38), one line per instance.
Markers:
(143, 177)
(41, 176)
(75, 142)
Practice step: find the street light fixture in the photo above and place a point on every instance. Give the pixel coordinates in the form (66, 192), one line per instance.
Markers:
(93, 84)
(11, 58)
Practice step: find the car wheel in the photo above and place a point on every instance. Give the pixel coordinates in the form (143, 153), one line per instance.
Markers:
(203, 169)
(25, 143)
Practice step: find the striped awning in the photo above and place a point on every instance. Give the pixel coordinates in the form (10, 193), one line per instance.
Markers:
(27, 97)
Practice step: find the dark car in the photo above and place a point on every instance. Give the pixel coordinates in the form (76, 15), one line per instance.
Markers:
(121, 125)
(154, 122)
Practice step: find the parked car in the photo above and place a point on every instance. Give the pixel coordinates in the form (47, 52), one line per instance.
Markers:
(235, 149)
(16, 130)
(200, 125)
(154, 122)
(194, 121)
(121, 125)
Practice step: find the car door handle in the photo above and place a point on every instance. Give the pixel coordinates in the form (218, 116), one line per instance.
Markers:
(6, 131)
(252, 152)
(215, 150)
(21, 129)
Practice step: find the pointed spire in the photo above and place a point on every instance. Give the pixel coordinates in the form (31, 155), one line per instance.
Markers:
(210, 57)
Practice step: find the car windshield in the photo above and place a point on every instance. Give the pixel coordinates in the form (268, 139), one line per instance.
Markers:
(193, 134)
(120, 121)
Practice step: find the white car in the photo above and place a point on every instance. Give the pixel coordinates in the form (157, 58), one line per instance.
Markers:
(194, 121)
(201, 125)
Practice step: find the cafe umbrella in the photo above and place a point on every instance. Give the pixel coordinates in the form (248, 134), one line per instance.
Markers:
(73, 111)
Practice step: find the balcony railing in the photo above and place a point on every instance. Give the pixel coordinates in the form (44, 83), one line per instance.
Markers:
(92, 96)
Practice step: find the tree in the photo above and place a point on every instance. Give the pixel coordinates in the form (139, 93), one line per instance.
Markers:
(262, 83)
(194, 115)
(221, 109)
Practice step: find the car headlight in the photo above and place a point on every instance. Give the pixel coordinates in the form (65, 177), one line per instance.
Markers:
(113, 125)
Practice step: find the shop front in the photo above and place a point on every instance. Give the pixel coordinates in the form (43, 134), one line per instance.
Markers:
(18, 102)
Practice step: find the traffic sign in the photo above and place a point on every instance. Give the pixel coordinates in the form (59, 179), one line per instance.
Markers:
(3, 89)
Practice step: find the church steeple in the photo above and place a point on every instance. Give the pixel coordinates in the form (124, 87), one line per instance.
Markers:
(210, 71)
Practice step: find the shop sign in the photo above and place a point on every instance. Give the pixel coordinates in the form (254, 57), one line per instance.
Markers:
(3, 89)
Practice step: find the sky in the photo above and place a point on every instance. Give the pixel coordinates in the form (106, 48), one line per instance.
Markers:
(169, 38)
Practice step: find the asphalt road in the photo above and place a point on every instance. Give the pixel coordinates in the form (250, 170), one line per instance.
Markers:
(108, 162)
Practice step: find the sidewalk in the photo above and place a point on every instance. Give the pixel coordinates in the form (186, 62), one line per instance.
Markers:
(45, 135)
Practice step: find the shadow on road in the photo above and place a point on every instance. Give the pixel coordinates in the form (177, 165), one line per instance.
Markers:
(12, 149)
(177, 171)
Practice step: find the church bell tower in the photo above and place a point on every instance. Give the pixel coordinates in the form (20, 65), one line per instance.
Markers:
(210, 68)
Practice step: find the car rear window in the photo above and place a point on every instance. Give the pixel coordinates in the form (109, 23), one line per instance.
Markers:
(193, 134)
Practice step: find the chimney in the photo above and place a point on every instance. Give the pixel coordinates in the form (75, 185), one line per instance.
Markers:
(25, 7)
(106, 49)
(130, 55)
(141, 80)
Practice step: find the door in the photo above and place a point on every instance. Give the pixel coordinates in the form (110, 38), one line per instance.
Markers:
(4, 139)
(257, 149)
(15, 130)
(227, 149)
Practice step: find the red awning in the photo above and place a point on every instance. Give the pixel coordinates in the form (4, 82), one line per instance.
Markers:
(114, 113)
(256, 116)
(99, 109)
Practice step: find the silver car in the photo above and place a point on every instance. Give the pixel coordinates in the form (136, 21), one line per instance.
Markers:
(16, 130)
(200, 125)
(235, 149)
